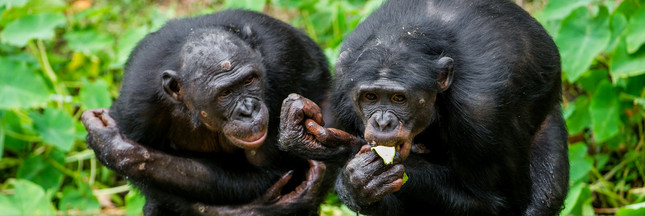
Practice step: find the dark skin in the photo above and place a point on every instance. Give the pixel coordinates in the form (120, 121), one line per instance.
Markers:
(194, 125)
(468, 93)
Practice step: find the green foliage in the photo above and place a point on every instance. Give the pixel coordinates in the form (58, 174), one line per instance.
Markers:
(603, 66)
(59, 58)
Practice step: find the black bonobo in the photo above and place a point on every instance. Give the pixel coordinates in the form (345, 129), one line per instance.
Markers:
(467, 92)
(195, 125)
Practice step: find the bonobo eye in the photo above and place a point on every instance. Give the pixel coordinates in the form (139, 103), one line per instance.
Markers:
(398, 98)
(250, 80)
(370, 96)
(224, 94)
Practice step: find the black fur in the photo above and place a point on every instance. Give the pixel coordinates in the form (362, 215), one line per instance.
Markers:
(496, 144)
(292, 62)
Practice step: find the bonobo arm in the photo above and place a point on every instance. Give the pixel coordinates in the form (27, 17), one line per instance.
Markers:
(368, 186)
(195, 177)
(301, 201)
(302, 132)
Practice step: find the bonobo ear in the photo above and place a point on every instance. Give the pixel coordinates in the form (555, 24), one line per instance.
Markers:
(446, 72)
(171, 85)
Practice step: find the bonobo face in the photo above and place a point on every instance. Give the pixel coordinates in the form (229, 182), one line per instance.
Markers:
(221, 84)
(396, 108)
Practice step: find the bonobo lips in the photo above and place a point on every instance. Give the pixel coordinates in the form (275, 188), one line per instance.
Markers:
(251, 142)
(248, 135)
(401, 139)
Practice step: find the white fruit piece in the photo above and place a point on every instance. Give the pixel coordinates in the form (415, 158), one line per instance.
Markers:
(386, 152)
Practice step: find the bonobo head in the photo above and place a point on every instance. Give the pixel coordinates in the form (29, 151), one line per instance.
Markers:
(220, 84)
(394, 93)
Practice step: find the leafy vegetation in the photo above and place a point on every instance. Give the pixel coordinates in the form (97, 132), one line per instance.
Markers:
(59, 58)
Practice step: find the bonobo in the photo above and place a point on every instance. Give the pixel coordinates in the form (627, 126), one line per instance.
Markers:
(467, 92)
(195, 125)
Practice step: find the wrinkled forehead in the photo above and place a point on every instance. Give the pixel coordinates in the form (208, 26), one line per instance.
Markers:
(212, 45)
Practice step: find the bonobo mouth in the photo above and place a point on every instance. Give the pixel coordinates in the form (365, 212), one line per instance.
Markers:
(401, 139)
(250, 142)
(247, 135)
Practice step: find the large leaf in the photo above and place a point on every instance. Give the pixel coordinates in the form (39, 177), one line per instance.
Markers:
(637, 209)
(20, 87)
(605, 112)
(95, 95)
(88, 42)
(635, 35)
(55, 127)
(28, 199)
(581, 163)
(577, 196)
(618, 25)
(38, 170)
(623, 64)
(580, 39)
(558, 9)
(576, 115)
(34, 26)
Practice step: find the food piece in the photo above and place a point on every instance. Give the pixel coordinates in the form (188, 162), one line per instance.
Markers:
(386, 153)
(405, 178)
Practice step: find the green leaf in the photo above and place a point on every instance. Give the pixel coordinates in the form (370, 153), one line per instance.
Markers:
(637, 209)
(20, 87)
(618, 25)
(134, 202)
(126, 44)
(34, 26)
(28, 199)
(88, 42)
(255, 5)
(55, 127)
(576, 115)
(7, 207)
(635, 35)
(580, 162)
(13, 3)
(605, 112)
(1, 134)
(624, 64)
(578, 194)
(589, 80)
(580, 39)
(95, 95)
(80, 199)
(38, 170)
(558, 9)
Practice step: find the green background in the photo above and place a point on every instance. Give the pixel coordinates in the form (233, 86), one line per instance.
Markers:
(59, 58)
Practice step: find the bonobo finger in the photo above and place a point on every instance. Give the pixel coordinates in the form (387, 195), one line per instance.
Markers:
(307, 191)
(314, 178)
(273, 193)
(92, 119)
(312, 111)
(316, 172)
(107, 119)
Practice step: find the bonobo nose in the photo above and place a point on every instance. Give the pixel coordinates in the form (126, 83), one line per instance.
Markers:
(245, 109)
(385, 121)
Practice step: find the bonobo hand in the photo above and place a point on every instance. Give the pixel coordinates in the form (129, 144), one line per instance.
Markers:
(302, 131)
(366, 179)
(110, 146)
(306, 194)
